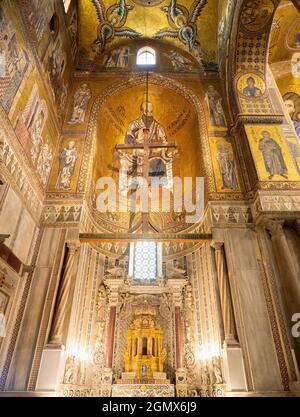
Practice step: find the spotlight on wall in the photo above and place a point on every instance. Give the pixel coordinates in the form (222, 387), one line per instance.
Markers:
(208, 352)
(79, 352)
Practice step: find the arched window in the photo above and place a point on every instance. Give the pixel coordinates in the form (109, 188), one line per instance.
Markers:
(146, 56)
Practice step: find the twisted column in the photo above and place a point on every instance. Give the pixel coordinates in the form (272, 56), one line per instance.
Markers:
(225, 295)
(63, 299)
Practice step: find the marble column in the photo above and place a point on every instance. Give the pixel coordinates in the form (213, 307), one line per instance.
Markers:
(179, 340)
(110, 337)
(113, 283)
(59, 323)
(176, 286)
(289, 278)
(225, 294)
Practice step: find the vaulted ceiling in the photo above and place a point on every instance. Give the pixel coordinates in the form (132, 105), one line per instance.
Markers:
(188, 24)
(285, 24)
(285, 39)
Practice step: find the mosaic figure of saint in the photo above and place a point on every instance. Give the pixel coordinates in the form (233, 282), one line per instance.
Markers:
(290, 100)
(81, 100)
(119, 58)
(14, 61)
(56, 67)
(36, 136)
(292, 103)
(67, 161)
(272, 155)
(44, 163)
(145, 128)
(227, 167)
(251, 90)
(214, 101)
(179, 62)
(297, 39)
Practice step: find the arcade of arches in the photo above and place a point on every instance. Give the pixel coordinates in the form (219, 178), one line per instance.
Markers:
(196, 295)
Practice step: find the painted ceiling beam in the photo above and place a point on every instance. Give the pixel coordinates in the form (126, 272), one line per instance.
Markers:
(157, 237)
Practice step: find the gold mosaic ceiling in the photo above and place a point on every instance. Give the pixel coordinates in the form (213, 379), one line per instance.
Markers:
(285, 38)
(188, 24)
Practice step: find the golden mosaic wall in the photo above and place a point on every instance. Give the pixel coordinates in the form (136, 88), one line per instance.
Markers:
(157, 21)
(35, 76)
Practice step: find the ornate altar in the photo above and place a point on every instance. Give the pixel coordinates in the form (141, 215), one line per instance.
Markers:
(144, 359)
(145, 355)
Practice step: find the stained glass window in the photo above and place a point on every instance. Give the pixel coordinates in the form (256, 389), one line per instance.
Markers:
(145, 261)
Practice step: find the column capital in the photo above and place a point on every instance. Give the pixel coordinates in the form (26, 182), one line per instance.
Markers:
(73, 246)
(217, 245)
(275, 227)
(177, 299)
(114, 286)
(176, 286)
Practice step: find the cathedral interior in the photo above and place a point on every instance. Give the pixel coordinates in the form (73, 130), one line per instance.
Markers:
(193, 106)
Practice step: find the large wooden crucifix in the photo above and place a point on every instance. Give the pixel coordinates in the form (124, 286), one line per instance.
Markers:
(146, 146)
(147, 142)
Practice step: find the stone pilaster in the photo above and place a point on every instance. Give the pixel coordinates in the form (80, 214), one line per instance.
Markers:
(225, 294)
(59, 323)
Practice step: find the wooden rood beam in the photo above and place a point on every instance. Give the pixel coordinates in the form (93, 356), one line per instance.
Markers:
(150, 146)
(157, 237)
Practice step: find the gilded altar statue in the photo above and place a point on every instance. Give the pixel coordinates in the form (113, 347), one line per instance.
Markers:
(145, 354)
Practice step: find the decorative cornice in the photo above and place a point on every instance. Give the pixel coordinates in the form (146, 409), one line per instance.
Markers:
(62, 215)
(226, 214)
(243, 119)
(283, 204)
